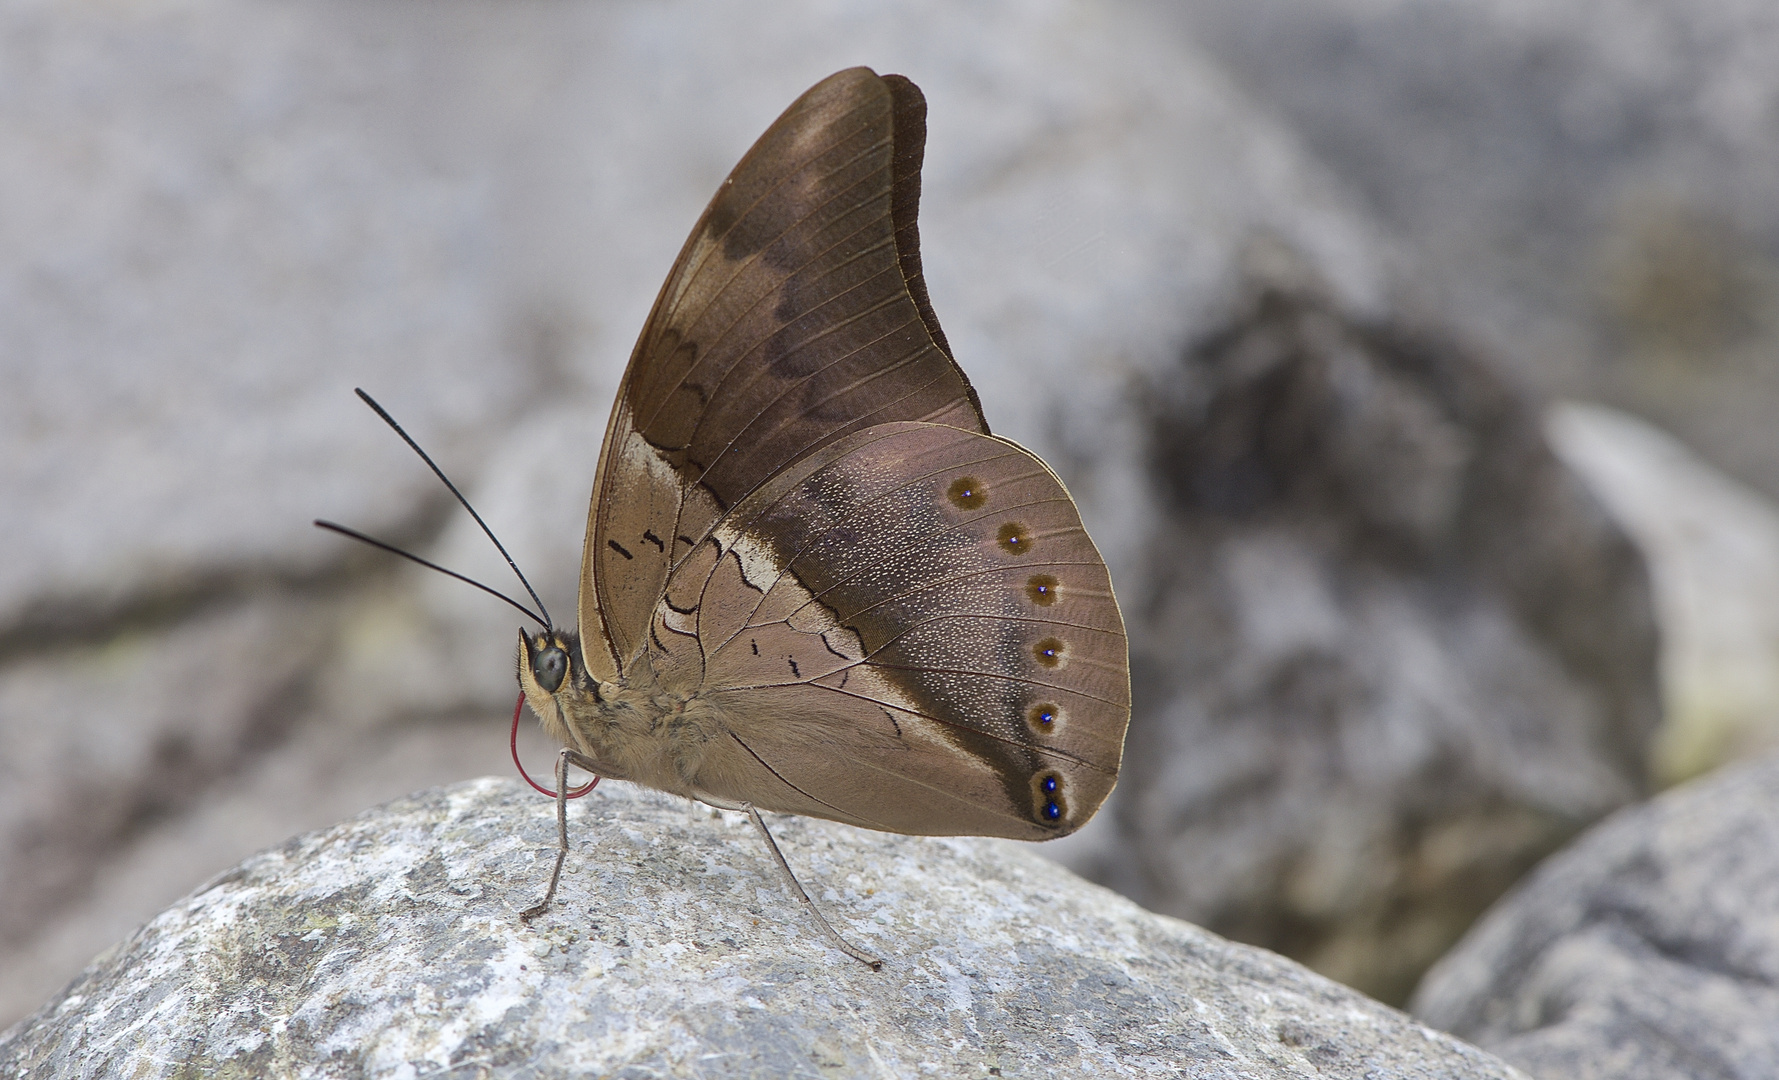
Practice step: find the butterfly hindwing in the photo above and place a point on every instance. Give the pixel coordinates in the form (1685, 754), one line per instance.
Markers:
(910, 630)
(796, 313)
(812, 580)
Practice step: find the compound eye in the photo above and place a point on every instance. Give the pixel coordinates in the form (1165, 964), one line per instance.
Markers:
(548, 668)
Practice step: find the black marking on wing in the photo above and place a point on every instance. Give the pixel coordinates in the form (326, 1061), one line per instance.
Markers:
(755, 645)
(655, 540)
(835, 651)
(676, 608)
(615, 546)
(795, 674)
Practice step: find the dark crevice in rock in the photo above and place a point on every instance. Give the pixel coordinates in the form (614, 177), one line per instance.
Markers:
(1379, 608)
(51, 623)
(67, 843)
(1636, 952)
(67, 846)
(1624, 907)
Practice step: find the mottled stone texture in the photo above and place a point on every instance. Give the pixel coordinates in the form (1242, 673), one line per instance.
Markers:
(1647, 950)
(390, 945)
(1594, 184)
(221, 216)
(1391, 653)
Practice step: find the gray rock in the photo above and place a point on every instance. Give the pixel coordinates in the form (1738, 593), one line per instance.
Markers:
(1390, 653)
(225, 218)
(390, 945)
(230, 217)
(224, 221)
(202, 258)
(1713, 550)
(1647, 949)
(1594, 185)
(157, 727)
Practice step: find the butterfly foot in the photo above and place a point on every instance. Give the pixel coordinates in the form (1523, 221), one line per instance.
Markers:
(543, 905)
(873, 962)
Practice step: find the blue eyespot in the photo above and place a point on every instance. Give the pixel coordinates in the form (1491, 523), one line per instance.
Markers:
(1052, 811)
(1049, 784)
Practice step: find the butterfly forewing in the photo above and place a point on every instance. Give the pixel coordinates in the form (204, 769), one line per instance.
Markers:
(806, 554)
(909, 629)
(795, 314)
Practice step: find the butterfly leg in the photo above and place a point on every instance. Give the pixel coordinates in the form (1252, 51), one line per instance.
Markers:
(563, 760)
(863, 957)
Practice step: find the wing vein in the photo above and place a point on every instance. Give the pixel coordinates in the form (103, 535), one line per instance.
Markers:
(688, 318)
(1011, 743)
(787, 783)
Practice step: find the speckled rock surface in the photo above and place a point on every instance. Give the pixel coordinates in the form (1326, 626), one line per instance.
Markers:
(223, 216)
(1647, 950)
(390, 946)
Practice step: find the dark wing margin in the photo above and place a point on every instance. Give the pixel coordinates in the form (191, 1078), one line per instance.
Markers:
(911, 152)
(797, 312)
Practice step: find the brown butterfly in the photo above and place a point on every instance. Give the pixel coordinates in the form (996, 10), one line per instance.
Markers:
(813, 582)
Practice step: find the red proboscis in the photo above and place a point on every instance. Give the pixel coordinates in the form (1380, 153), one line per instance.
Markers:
(519, 709)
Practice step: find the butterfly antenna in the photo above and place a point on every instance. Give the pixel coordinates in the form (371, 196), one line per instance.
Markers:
(440, 473)
(393, 550)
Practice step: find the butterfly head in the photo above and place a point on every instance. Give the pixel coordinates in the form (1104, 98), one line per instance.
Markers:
(553, 678)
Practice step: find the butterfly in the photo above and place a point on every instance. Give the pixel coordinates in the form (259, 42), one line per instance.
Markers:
(813, 582)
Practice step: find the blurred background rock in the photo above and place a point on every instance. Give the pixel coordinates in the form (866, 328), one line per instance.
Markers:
(1590, 184)
(1283, 317)
(1646, 949)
